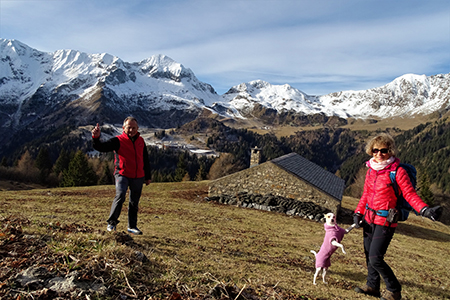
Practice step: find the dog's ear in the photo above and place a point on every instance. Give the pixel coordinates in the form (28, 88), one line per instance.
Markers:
(328, 215)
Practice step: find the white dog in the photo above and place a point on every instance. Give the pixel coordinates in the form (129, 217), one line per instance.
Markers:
(333, 236)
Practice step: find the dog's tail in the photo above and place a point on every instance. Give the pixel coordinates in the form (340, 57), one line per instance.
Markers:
(313, 252)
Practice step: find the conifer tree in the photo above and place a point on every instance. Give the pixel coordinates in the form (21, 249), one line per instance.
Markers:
(201, 173)
(4, 162)
(44, 164)
(181, 170)
(80, 172)
(424, 189)
(62, 163)
(43, 161)
(106, 177)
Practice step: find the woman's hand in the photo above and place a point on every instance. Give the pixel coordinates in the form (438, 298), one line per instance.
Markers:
(433, 213)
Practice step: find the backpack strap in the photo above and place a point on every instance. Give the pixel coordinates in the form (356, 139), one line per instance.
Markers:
(392, 175)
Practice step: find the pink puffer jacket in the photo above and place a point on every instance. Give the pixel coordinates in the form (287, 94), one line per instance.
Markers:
(379, 193)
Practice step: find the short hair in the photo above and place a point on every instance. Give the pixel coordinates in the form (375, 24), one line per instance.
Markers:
(382, 139)
(129, 119)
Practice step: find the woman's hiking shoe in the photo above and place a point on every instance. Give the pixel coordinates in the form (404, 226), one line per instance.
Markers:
(368, 290)
(388, 295)
(134, 231)
(111, 227)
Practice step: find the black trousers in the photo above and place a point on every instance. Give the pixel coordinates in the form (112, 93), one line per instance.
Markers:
(122, 185)
(376, 242)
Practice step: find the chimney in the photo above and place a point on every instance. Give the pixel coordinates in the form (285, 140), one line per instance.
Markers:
(255, 156)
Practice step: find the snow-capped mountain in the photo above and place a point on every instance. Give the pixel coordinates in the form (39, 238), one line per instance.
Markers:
(47, 89)
(35, 84)
(407, 95)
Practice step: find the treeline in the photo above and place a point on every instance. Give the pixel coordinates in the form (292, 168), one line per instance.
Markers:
(428, 148)
(340, 151)
(73, 168)
(76, 168)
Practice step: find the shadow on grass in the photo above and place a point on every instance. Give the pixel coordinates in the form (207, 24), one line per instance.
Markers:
(433, 292)
(359, 278)
(422, 233)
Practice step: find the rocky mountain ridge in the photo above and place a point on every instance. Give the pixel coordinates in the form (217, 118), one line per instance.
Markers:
(160, 84)
(42, 92)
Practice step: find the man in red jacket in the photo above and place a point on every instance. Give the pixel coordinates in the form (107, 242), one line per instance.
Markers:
(132, 169)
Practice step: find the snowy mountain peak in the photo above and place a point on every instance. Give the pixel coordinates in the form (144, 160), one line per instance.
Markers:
(32, 81)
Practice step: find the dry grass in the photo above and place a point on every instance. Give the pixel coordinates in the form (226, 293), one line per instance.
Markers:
(192, 244)
(356, 124)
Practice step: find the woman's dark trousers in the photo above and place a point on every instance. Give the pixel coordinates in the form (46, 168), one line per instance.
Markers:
(376, 242)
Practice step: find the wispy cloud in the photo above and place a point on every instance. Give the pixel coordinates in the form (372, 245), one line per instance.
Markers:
(317, 46)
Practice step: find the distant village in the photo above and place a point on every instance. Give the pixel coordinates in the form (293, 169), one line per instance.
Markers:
(180, 146)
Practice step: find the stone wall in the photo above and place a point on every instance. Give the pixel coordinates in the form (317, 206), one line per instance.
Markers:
(291, 207)
(269, 179)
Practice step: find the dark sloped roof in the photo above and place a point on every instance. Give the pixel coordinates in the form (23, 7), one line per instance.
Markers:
(312, 173)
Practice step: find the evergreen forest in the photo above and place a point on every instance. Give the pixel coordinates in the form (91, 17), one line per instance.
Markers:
(340, 151)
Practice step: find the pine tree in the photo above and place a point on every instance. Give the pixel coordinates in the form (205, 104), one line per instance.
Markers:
(424, 189)
(181, 170)
(44, 164)
(4, 162)
(43, 161)
(106, 177)
(201, 174)
(62, 163)
(80, 172)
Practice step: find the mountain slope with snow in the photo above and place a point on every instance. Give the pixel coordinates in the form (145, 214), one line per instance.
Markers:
(69, 85)
(34, 83)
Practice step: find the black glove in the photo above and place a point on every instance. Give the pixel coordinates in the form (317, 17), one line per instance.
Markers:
(433, 213)
(357, 219)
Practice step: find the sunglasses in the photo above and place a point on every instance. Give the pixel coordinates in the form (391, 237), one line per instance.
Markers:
(383, 151)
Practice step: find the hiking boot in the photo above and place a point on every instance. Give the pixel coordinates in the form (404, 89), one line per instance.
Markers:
(368, 290)
(111, 227)
(135, 231)
(388, 295)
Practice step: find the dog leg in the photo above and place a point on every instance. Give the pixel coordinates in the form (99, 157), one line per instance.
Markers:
(324, 273)
(315, 275)
(336, 244)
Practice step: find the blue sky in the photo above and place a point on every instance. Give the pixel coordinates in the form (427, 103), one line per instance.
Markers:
(316, 46)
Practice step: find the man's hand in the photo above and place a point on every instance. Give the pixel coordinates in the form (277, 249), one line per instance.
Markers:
(96, 131)
(147, 182)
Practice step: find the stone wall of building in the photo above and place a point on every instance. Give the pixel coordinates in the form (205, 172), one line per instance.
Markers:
(268, 178)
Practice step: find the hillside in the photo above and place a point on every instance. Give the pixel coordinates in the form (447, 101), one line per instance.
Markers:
(46, 96)
(193, 249)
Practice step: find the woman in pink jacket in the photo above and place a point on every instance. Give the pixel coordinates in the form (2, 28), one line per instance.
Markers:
(379, 196)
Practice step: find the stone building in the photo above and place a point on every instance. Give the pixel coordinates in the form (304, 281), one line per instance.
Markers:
(291, 176)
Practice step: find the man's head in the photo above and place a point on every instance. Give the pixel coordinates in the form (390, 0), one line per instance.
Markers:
(130, 126)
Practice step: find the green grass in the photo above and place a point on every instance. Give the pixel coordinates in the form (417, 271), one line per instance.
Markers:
(192, 245)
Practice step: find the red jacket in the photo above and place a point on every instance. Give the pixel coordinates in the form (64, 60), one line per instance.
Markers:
(130, 158)
(379, 193)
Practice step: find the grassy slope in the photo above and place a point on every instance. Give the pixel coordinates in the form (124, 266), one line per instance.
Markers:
(357, 124)
(193, 244)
